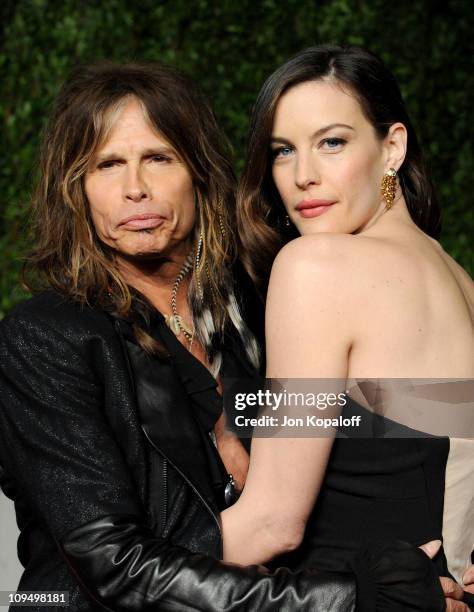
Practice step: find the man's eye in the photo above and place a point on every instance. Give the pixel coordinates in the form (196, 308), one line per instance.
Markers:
(107, 164)
(159, 158)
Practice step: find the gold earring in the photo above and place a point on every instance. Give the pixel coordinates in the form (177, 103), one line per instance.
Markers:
(389, 187)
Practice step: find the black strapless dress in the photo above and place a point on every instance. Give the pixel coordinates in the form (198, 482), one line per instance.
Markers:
(377, 574)
(375, 489)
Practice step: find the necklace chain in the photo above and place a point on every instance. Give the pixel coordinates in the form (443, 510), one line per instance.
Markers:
(175, 321)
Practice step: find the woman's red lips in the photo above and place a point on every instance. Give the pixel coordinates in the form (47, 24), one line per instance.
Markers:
(313, 204)
(144, 221)
(313, 208)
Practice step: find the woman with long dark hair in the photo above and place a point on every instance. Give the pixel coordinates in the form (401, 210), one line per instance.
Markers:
(364, 291)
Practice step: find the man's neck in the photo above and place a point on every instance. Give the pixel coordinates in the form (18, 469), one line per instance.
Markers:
(154, 278)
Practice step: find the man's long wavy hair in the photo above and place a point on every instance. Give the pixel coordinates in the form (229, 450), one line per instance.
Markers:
(260, 210)
(68, 255)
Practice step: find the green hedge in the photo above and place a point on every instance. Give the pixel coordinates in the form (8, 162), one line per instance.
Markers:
(230, 47)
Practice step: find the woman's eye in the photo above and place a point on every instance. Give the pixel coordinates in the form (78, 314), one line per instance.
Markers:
(332, 143)
(281, 152)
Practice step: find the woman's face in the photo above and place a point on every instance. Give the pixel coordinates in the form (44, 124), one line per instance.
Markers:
(140, 192)
(327, 160)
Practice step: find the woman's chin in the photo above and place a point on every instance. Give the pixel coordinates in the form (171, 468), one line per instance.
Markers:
(321, 228)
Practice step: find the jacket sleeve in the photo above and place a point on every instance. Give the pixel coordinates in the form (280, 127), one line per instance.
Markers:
(132, 570)
(60, 452)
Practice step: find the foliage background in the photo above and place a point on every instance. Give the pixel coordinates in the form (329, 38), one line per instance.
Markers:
(230, 47)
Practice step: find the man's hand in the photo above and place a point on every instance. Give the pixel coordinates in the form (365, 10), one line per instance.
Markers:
(453, 591)
(468, 580)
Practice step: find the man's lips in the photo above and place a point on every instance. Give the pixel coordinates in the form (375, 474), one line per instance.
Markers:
(313, 208)
(144, 221)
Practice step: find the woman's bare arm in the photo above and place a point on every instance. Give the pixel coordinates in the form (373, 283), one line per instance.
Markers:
(308, 332)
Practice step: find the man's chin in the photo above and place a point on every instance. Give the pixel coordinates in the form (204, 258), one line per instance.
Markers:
(143, 256)
(142, 251)
(147, 255)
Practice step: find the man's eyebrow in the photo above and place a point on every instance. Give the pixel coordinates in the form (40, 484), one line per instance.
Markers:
(316, 134)
(108, 155)
(158, 149)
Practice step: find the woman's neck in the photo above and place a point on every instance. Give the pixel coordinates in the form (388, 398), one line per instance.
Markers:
(383, 219)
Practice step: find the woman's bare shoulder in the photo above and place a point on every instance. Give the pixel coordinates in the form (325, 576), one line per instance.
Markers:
(341, 257)
(316, 250)
(462, 278)
(458, 271)
(330, 272)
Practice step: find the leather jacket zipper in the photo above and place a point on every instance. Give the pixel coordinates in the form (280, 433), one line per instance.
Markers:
(184, 477)
(165, 494)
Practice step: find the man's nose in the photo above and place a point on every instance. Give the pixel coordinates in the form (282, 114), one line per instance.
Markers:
(136, 188)
(306, 171)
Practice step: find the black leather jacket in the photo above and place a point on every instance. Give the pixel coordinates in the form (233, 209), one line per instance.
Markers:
(82, 427)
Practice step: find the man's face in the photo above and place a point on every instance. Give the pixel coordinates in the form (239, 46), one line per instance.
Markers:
(140, 192)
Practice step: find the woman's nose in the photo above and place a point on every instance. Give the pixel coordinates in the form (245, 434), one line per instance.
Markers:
(136, 188)
(306, 172)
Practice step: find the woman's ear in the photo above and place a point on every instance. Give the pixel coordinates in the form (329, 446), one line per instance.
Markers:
(395, 144)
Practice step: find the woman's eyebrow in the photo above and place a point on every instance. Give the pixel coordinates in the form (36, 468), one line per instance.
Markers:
(316, 134)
